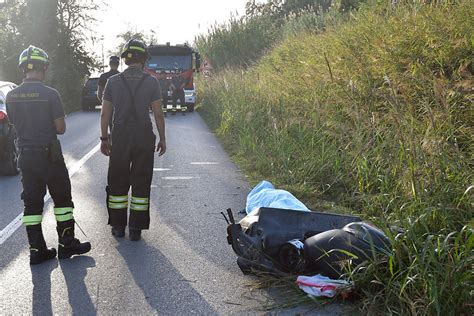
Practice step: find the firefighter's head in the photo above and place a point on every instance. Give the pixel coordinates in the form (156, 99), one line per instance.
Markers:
(135, 51)
(114, 62)
(33, 60)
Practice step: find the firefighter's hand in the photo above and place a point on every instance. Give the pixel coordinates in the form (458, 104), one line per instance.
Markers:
(161, 148)
(105, 147)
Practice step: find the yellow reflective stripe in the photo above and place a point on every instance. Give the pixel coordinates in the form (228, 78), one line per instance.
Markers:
(137, 48)
(138, 207)
(64, 218)
(118, 205)
(33, 57)
(140, 200)
(118, 198)
(38, 58)
(63, 210)
(32, 219)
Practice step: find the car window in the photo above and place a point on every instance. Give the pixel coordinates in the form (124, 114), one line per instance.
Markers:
(4, 90)
(92, 83)
(2, 101)
(3, 93)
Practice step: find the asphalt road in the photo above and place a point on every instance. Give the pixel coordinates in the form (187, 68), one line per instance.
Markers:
(183, 265)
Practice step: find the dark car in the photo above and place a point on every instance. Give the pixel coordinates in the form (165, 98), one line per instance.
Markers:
(8, 147)
(89, 95)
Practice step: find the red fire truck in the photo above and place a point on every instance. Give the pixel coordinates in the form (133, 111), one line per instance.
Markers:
(168, 61)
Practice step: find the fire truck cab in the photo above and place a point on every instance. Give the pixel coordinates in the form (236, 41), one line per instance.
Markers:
(168, 61)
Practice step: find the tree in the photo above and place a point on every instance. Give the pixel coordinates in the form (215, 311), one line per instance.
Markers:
(57, 26)
(149, 38)
(72, 60)
(12, 39)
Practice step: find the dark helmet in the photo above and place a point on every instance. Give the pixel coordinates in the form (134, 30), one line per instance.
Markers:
(114, 60)
(134, 49)
(33, 58)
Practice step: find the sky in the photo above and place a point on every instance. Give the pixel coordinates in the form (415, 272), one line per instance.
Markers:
(174, 21)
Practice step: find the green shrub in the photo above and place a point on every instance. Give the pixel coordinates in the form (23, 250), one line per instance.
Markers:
(238, 43)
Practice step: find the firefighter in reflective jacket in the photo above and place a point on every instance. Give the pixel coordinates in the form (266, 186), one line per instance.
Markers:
(37, 113)
(132, 145)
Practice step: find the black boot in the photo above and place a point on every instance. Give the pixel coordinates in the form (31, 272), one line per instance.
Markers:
(38, 251)
(135, 234)
(118, 231)
(68, 245)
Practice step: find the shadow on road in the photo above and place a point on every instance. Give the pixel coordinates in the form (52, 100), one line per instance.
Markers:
(41, 296)
(75, 272)
(163, 286)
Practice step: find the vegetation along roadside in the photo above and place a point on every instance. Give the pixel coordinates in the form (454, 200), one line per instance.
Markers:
(365, 109)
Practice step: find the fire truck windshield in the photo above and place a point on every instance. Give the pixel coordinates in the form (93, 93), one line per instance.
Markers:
(169, 62)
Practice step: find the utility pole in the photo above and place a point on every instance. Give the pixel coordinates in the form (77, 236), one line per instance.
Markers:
(103, 57)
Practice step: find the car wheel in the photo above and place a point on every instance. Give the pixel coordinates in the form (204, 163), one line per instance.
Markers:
(11, 167)
(191, 108)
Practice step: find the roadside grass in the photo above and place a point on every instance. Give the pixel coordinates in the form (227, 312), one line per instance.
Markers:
(285, 289)
(372, 116)
(428, 273)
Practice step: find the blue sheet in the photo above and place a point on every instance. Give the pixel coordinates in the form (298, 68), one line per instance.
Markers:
(264, 194)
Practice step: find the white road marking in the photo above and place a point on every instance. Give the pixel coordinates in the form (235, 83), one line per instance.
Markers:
(178, 178)
(75, 168)
(16, 223)
(204, 163)
(161, 169)
(183, 186)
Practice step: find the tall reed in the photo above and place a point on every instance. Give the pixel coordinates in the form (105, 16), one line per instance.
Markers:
(371, 116)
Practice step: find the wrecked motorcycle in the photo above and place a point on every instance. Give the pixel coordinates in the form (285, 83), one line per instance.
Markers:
(281, 241)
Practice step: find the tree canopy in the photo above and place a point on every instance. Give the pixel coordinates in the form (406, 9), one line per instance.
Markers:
(57, 26)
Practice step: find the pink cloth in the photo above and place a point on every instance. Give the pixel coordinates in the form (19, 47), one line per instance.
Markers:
(321, 286)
